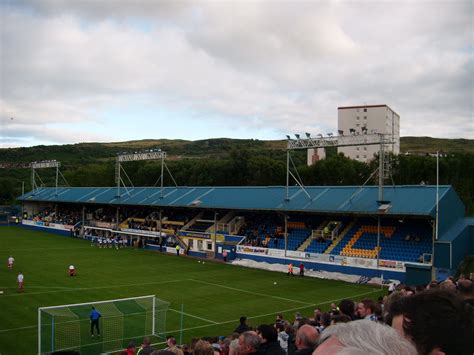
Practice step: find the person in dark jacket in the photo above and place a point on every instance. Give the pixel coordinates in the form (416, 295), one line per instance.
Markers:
(243, 327)
(270, 344)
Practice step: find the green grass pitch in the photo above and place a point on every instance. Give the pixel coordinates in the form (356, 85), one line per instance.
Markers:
(212, 295)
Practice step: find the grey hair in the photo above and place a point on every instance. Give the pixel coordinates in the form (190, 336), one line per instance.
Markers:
(364, 337)
(251, 339)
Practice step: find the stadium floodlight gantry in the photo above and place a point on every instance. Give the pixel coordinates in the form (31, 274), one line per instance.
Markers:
(44, 165)
(67, 327)
(341, 141)
(149, 154)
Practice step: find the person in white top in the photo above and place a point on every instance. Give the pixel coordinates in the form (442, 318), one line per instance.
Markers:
(20, 279)
(72, 270)
(10, 262)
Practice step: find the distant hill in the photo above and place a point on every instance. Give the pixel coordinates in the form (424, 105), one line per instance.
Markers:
(218, 148)
(431, 145)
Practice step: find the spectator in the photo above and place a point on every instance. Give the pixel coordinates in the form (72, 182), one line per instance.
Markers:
(347, 307)
(466, 291)
(249, 343)
(243, 327)
(366, 309)
(306, 340)
(448, 285)
(324, 322)
(130, 348)
(171, 342)
(297, 320)
(363, 337)
(340, 318)
(436, 321)
(291, 338)
(282, 336)
(145, 348)
(270, 344)
(234, 344)
(387, 316)
(203, 348)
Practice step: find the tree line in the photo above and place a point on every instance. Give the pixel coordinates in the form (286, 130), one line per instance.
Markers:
(251, 166)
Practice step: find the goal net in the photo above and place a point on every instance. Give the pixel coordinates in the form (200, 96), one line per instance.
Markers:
(68, 327)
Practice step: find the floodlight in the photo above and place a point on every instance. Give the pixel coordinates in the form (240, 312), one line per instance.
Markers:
(341, 132)
(297, 136)
(329, 134)
(308, 135)
(352, 130)
(383, 208)
(288, 137)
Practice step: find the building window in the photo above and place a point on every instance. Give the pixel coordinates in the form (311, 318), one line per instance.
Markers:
(365, 148)
(209, 246)
(357, 125)
(357, 148)
(365, 117)
(365, 110)
(358, 118)
(357, 156)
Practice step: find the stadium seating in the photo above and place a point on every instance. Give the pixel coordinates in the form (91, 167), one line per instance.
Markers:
(361, 241)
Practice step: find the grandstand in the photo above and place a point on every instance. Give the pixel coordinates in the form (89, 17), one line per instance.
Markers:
(331, 228)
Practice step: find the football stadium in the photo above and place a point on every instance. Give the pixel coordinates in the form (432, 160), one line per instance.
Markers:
(104, 269)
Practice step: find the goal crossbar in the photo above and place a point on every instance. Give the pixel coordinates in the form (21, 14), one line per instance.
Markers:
(93, 303)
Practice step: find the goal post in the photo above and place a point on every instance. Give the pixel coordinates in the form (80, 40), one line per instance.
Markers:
(68, 327)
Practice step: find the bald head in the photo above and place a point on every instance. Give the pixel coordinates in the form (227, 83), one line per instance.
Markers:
(306, 337)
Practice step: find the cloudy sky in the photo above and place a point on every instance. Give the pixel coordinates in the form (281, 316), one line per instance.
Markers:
(100, 70)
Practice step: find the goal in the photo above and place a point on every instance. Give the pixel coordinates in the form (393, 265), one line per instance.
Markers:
(67, 327)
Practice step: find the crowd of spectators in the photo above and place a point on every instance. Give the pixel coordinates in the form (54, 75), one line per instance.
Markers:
(436, 319)
(61, 216)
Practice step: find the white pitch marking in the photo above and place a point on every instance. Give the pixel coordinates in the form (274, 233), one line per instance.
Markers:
(193, 316)
(251, 292)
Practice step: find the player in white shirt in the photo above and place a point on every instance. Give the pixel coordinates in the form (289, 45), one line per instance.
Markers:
(20, 279)
(72, 270)
(11, 260)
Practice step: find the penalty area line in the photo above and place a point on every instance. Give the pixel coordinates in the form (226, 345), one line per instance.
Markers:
(93, 288)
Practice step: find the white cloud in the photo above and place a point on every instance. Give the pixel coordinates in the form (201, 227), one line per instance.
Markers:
(284, 66)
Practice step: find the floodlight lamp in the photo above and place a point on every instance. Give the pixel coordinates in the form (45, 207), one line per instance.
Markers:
(308, 135)
(352, 130)
(288, 137)
(297, 136)
(341, 132)
(329, 134)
